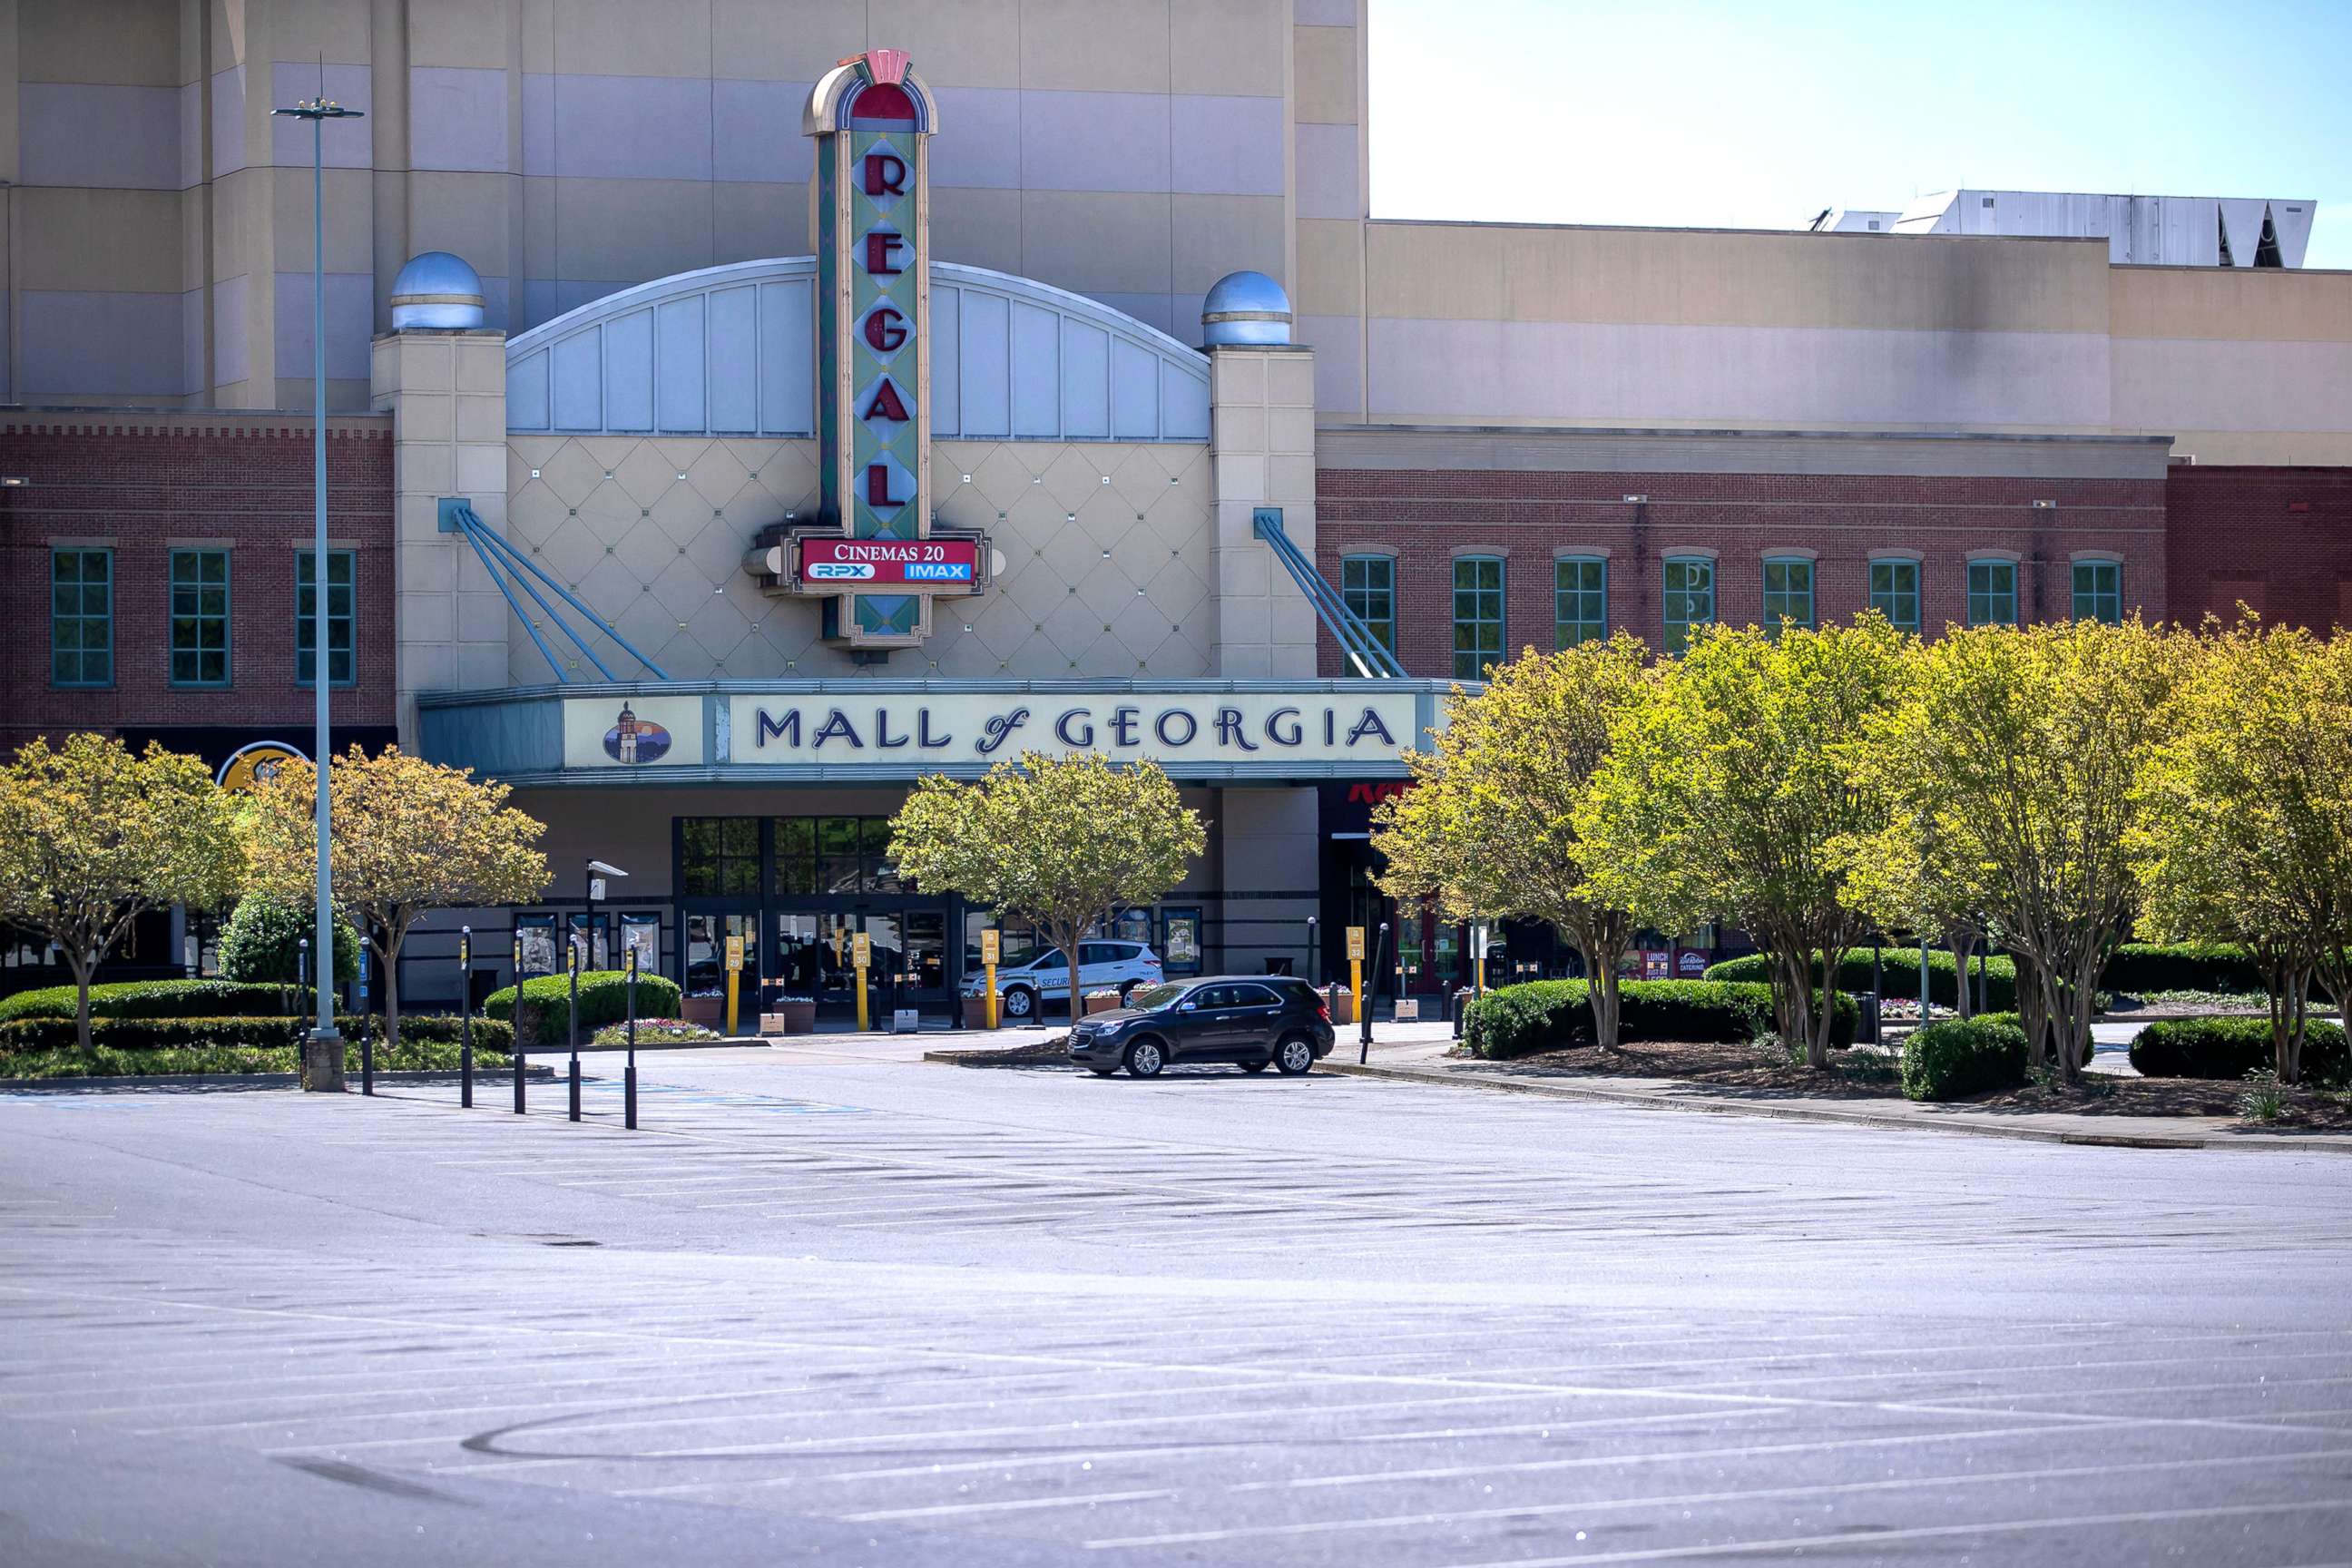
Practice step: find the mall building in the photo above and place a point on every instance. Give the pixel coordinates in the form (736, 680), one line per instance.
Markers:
(742, 411)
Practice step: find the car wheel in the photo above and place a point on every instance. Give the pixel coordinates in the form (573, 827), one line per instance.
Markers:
(1145, 1058)
(1254, 1067)
(1020, 1003)
(1126, 990)
(1295, 1054)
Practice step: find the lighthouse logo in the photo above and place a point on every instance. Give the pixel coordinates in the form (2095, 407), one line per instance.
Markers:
(632, 740)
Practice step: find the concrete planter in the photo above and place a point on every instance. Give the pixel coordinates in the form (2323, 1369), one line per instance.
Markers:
(789, 1017)
(975, 1012)
(1101, 1001)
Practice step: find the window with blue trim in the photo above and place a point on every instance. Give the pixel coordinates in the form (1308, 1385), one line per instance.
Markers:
(1580, 599)
(1689, 598)
(2099, 591)
(1895, 592)
(1368, 586)
(1477, 616)
(1992, 592)
(81, 618)
(341, 664)
(200, 617)
(1788, 594)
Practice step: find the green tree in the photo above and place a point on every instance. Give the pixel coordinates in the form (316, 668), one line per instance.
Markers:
(1489, 825)
(2246, 831)
(263, 942)
(1733, 793)
(1065, 841)
(2015, 759)
(408, 836)
(92, 837)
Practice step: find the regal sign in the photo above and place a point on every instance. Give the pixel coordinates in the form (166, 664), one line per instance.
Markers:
(874, 556)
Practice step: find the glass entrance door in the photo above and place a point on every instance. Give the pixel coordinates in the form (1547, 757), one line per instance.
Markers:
(703, 956)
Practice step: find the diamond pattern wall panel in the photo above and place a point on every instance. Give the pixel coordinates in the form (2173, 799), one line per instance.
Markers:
(1105, 545)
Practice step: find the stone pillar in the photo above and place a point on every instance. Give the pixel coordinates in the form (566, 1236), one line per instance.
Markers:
(1262, 449)
(447, 391)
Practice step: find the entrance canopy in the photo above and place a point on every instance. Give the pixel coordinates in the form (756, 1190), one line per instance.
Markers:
(880, 730)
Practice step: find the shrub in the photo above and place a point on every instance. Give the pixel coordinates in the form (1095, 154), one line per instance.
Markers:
(2229, 1049)
(655, 1032)
(162, 999)
(1552, 1015)
(2139, 967)
(262, 941)
(1958, 1058)
(138, 1047)
(1899, 975)
(603, 999)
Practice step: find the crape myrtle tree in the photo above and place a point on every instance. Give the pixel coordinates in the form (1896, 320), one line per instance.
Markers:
(1065, 841)
(1732, 792)
(408, 836)
(1489, 825)
(92, 837)
(2245, 834)
(2017, 755)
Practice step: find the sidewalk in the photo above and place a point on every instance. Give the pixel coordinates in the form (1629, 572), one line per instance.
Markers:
(1416, 1053)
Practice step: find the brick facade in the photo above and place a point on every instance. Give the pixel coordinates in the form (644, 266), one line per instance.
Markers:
(141, 483)
(1427, 517)
(2278, 539)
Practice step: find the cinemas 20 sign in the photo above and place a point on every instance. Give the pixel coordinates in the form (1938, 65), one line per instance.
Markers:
(873, 556)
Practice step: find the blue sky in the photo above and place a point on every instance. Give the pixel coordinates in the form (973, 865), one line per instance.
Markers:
(1759, 115)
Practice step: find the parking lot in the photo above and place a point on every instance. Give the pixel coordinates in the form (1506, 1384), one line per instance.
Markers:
(835, 1305)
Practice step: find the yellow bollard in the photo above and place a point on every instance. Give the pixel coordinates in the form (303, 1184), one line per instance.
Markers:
(992, 947)
(1356, 968)
(861, 956)
(734, 973)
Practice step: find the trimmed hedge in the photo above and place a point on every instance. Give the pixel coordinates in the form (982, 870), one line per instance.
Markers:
(603, 999)
(2139, 967)
(127, 1049)
(1958, 1058)
(162, 999)
(2229, 1049)
(277, 1033)
(1554, 1015)
(263, 942)
(1899, 969)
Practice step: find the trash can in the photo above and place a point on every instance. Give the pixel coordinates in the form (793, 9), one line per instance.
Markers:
(1342, 1003)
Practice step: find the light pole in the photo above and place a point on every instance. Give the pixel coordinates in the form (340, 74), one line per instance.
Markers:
(597, 871)
(318, 110)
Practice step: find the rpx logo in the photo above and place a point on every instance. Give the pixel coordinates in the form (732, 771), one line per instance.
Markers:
(837, 571)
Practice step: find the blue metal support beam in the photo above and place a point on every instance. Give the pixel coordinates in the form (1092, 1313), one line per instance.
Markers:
(1366, 652)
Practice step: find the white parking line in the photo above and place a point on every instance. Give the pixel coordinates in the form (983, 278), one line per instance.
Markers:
(1017, 1505)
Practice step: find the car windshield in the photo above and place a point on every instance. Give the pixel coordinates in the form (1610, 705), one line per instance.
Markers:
(1050, 959)
(1151, 998)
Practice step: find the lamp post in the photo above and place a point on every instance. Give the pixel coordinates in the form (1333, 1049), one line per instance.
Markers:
(597, 871)
(318, 110)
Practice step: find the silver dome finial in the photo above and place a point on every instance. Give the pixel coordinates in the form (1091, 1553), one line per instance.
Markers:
(1245, 308)
(436, 289)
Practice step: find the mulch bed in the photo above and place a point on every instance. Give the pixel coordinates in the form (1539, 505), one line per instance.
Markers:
(1866, 1076)
(1052, 1050)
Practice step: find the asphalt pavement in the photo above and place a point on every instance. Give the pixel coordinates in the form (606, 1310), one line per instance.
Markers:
(835, 1305)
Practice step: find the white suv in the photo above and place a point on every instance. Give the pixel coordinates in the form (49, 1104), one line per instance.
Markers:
(1026, 986)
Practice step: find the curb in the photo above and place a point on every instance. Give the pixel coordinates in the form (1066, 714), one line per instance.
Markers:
(2288, 1142)
(264, 1079)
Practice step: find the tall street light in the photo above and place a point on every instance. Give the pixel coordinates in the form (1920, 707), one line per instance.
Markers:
(318, 110)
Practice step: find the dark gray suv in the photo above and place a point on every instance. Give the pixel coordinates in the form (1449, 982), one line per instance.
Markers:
(1249, 1020)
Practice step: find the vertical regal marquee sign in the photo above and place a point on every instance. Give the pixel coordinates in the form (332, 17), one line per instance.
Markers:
(875, 557)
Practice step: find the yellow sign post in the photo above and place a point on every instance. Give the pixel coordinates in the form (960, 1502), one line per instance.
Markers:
(992, 947)
(734, 977)
(1355, 965)
(861, 956)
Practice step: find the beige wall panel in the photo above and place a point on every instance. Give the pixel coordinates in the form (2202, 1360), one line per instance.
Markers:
(11, 55)
(2267, 448)
(2231, 302)
(1217, 235)
(240, 205)
(748, 221)
(1330, 268)
(786, 40)
(194, 242)
(2169, 385)
(131, 43)
(972, 43)
(1091, 240)
(98, 240)
(633, 38)
(1327, 78)
(304, 29)
(537, 259)
(294, 392)
(1490, 272)
(1227, 46)
(631, 229)
(457, 32)
(977, 227)
(462, 212)
(538, 35)
(351, 219)
(1104, 46)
